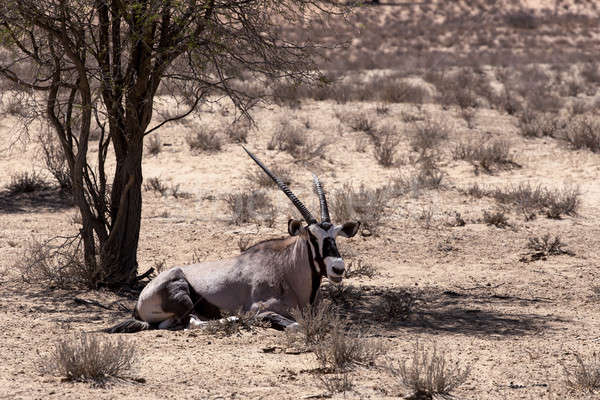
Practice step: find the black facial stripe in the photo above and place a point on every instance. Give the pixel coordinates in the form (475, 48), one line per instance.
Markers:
(330, 248)
(315, 276)
(317, 257)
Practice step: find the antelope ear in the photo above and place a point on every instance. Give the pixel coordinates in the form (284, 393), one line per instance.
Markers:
(349, 229)
(294, 227)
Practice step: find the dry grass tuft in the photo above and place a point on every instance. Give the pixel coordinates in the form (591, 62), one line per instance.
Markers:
(547, 245)
(428, 372)
(342, 352)
(238, 131)
(253, 206)
(91, 358)
(292, 139)
(531, 199)
(359, 268)
(585, 375)
(56, 262)
(26, 182)
(363, 204)
(386, 142)
(55, 161)
(428, 135)
(583, 132)
(154, 145)
(487, 157)
(263, 180)
(315, 323)
(205, 139)
(496, 218)
(155, 185)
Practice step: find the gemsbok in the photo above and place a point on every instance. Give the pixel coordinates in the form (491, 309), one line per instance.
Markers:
(270, 278)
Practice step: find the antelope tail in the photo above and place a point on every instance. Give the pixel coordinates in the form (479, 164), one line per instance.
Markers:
(129, 326)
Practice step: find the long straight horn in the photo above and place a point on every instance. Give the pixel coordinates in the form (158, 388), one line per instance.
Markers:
(303, 210)
(322, 200)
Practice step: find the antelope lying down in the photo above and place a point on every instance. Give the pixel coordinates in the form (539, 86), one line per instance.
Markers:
(270, 278)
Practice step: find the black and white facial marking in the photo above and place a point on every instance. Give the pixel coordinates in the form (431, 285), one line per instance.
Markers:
(324, 248)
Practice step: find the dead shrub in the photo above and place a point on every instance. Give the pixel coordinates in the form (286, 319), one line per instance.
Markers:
(91, 358)
(386, 144)
(205, 139)
(532, 199)
(292, 139)
(55, 161)
(547, 245)
(358, 268)
(428, 134)
(341, 352)
(361, 122)
(26, 182)
(180, 194)
(429, 373)
(427, 177)
(591, 73)
(583, 132)
(496, 218)
(338, 382)
(363, 204)
(238, 131)
(392, 90)
(57, 262)
(154, 145)
(263, 180)
(585, 375)
(487, 157)
(315, 322)
(536, 124)
(254, 206)
(155, 185)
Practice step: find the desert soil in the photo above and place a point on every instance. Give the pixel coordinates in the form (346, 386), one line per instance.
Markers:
(514, 323)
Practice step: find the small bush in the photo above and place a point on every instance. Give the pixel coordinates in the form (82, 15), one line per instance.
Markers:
(342, 352)
(363, 204)
(248, 207)
(91, 358)
(428, 135)
(55, 161)
(583, 132)
(154, 145)
(359, 268)
(487, 157)
(536, 124)
(531, 199)
(338, 382)
(362, 123)
(585, 375)
(546, 245)
(496, 218)
(264, 180)
(315, 323)
(428, 176)
(26, 182)
(155, 185)
(57, 263)
(386, 143)
(238, 131)
(429, 373)
(205, 140)
(292, 139)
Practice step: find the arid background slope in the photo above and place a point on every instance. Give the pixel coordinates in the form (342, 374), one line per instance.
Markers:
(466, 138)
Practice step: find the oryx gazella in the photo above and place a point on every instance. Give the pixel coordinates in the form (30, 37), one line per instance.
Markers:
(272, 277)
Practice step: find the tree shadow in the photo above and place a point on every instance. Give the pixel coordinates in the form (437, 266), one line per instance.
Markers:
(433, 310)
(53, 200)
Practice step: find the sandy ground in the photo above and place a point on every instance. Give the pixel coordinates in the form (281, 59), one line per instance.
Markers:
(514, 323)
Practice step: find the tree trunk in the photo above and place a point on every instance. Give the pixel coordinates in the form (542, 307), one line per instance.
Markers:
(119, 252)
